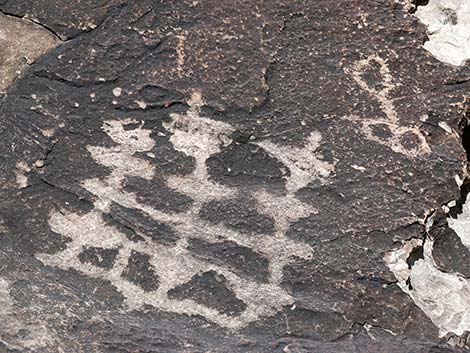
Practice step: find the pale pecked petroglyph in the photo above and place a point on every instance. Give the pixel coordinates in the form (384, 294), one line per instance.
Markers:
(397, 130)
(303, 163)
(173, 265)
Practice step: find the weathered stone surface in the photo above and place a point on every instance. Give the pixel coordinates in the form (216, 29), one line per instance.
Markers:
(139, 271)
(216, 176)
(241, 260)
(22, 42)
(449, 253)
(66, 19)
(210, 289)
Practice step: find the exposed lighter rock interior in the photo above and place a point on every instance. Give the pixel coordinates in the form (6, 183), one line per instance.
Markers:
(444, 297)
(21, 43)
(461, 224)
(448, 23)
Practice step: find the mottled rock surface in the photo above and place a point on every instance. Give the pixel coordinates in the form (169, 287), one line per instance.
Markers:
(21, 43)
(230, 176)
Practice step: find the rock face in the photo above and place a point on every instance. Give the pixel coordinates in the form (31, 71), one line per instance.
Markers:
(448, 24)
(219, 176)
(21, 42)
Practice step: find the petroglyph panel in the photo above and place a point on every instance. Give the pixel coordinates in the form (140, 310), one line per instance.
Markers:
(165, 274)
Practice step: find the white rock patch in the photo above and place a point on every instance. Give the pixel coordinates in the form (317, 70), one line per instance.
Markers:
(443, 297)
(461, 224)
(448, 23)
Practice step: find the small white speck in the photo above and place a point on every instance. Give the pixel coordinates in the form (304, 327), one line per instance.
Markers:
(141, 104)
(357, 167)
(443, 125)
(117, 91)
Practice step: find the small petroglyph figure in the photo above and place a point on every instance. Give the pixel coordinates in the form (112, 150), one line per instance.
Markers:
(167, 274)
(380, 85)
(303, 163)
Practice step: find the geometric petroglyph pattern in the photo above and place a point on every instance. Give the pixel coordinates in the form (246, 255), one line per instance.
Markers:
(147, 270)
(380, 88)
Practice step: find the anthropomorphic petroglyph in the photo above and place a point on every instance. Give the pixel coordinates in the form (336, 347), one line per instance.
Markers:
(381, 92)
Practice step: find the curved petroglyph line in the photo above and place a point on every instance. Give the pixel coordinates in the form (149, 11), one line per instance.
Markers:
(304, 164)
(198, 137)
(397, 129)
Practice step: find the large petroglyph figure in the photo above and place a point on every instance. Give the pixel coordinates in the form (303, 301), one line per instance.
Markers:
(269, 176)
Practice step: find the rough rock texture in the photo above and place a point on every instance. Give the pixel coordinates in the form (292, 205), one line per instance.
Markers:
(448, 24)
(221, 176)
(21, 42)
